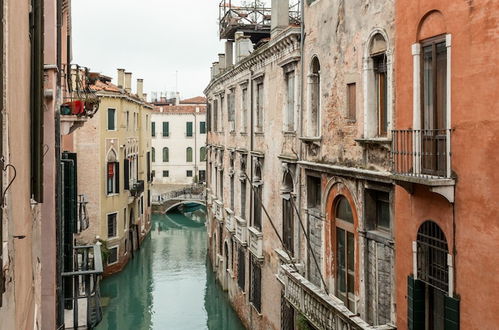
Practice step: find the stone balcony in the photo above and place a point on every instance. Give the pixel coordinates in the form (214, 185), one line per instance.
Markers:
(320, 309)
(230, 220)
(241, 230)
(255, 242)
(218, 208)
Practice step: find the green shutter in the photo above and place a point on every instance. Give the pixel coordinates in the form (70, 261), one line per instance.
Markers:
(126, 174)
(202, 127)
(153, 129)
(415, 304)
(166, 128)
(189, 128)
(451, 313)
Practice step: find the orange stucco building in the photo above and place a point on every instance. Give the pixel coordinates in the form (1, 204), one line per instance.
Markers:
(447, 125)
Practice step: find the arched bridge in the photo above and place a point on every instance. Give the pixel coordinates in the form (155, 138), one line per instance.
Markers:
(183, 197)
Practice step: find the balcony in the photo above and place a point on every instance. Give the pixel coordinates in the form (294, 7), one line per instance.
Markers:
(82, 307)
(423, 157)
(320, 309)
(241, 230)
(137, 188)
(255, 242)
(218, 208)
(230, 220)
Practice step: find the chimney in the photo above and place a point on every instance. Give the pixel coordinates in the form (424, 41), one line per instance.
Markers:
(140, 88)
(121, 78)
(128, 82)
(216, 69)
(145, 96)
(280, 16)
(229, 51)
(244, 46)
(221, 62)
(177, 98)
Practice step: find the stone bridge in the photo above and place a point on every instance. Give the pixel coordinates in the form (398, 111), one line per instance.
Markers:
(168, 201)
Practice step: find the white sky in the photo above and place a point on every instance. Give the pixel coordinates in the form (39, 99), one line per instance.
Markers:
(150, 38)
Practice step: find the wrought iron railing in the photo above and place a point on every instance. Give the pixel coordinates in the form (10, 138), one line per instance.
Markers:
(320, 309)
(137, 188)
(79, 98)
(422, 153)
(251, 14)
(82, 289)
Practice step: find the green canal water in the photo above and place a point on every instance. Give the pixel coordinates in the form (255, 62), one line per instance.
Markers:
(169, 283)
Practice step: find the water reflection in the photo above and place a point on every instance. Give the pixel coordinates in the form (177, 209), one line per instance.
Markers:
(168, 284)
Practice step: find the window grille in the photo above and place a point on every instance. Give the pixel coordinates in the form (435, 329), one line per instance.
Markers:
(432, 256)
(256, 284)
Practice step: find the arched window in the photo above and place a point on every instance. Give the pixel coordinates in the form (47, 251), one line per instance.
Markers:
(257, 196)
(166, 155)
(433, 272)
(153, 155)
(287, 213)
(379, 84)
(189, 154)
(112, 173)
(315, 97)
(345, 252)
(432, 256)
(202, 154)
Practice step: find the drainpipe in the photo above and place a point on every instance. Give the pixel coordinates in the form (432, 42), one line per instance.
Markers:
(250, 158)
(300, 121)
(1, 153)
(195, 132)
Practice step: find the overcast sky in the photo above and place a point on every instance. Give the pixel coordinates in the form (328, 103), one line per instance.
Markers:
(150, 38)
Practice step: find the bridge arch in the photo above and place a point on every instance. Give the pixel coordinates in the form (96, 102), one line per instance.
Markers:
(178, 203)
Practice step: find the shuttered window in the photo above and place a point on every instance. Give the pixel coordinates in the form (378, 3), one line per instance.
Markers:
(256, 284)
(153, 129)
(202, 127)
(241, 268)
(415, 304)
(111, 119)
(202, 154)
(111, 225)
(166, 155)
(188, 128)
(126, 174)
(166, 128)
(352, 101)
(188, 154)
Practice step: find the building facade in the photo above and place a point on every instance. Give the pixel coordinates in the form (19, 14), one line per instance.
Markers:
(334, 198)
(114, 151)
(178, 143)
(446, 126)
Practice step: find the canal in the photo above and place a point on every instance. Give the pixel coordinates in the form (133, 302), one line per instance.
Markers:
(169, 284)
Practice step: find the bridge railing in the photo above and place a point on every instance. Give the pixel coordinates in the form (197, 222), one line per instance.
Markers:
(194, 192)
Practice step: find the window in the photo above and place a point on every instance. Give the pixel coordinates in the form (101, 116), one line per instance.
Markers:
(313, 192)
(166, 174)
(232, 192)
(112, 257)
(244, 109)
(434, 105)
(153, 174)
(188, 152)
(315, 98)
(127, 115)
(202, 127)
(113, 178)
(432, 280)
(377, 205)
(202, 154)
(381, 92)
(351, 101)
(288, 214)
(257, 198)
(111, 119)
(221, 183)
(241, 268)
(231, 107)
(243, 198)
(166, 155)
(166, 128)
(222, 104)
(345, 250)
(148, 165)
(111, 225)
(153, 129)
(202, 176)
(290, 102)
(188, 127)
(259, 107)
(189, 173)
(153, 155)
(256, 284)
(215, 115)
(135, 120)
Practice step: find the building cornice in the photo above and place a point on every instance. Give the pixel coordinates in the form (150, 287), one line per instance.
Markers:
(354, 172)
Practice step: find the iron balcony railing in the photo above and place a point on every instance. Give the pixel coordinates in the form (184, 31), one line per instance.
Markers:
(83, 219)
(320, 309)
(422, 153)
(137, 188)
(252, 16)
(82, 289)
